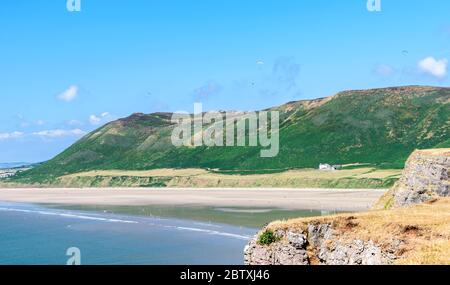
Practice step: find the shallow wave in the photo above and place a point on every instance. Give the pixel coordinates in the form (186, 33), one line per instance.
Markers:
(68, 215)
(212, 232)
(250, 211)
(97, 217)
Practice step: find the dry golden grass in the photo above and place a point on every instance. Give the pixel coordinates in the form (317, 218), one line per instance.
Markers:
(141, 173)
(430, 252)
(306, 173)
(305, 178)
(381, 173)
(424, 230)
(436, 151)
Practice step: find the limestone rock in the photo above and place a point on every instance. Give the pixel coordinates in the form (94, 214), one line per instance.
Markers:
(425, 177)
(297, 240)
(290, 250)
(325, 248)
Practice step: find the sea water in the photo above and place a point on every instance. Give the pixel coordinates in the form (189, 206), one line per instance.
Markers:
(37, 234)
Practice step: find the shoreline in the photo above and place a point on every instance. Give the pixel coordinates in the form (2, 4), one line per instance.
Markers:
(283, 198)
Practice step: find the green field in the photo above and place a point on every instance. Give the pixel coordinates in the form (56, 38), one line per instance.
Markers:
(307, 178)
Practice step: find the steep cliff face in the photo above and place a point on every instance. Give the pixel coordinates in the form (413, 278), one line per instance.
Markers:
(317, 244)
(425, 177)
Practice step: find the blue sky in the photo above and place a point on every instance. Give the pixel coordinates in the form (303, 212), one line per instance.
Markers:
(66, 73)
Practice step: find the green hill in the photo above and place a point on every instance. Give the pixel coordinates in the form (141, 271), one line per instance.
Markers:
(380, 127)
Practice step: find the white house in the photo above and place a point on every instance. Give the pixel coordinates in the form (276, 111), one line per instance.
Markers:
(325, 166)
(6, 173)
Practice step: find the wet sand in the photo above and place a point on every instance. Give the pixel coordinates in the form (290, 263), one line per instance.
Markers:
(293, 199)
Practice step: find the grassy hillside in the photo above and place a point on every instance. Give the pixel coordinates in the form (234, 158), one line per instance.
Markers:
(380, 127)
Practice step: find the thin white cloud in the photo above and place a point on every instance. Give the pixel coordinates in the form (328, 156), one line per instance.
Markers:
(12, 135)
(58, 133)
(384, 70)
(74, 123)
(70, 94)
(434, 67)
(94, 120)
(100, 119)
(40, 122)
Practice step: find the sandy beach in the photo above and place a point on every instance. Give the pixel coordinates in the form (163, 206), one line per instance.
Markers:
(293, 199)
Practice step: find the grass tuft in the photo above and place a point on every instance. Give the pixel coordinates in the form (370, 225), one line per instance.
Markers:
(267, 238)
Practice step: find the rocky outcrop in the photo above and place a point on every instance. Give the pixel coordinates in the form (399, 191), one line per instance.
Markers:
(347, 240)
(280, 253)
(418, 234)
(425, 177)
(318, 244)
